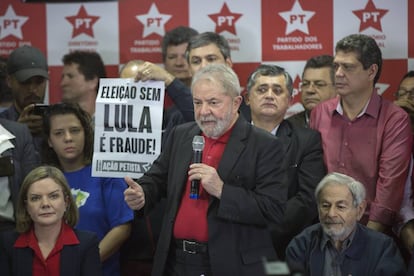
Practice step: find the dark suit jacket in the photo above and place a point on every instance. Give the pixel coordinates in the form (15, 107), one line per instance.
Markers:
(25, 158)
(12, 115)
(299, 119)
(81, 259)
(304, 167)
(370, 253)
(253, 196)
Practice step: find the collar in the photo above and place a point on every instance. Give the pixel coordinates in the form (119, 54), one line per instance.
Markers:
(273, 131)
(371, 108)
(345, 244)
(66, 237)
(223, 138)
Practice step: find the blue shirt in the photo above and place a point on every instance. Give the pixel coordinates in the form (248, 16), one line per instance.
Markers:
(101, 207)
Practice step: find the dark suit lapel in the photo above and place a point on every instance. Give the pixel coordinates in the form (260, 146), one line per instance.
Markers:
(23, 261)
(234, 148)
(284, 133)
(69, 260)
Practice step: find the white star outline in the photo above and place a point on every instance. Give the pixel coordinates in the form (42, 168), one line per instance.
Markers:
(298, 23)
(151, 26)
(15, 29)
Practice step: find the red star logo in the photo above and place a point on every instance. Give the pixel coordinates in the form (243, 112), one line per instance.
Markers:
(225, 20)
(370, 16)
(82, 22)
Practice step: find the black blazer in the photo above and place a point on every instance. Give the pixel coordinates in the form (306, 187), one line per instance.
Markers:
(81, 259)
(304, 168)
(25, 158)
(299, 119)
(253, 196)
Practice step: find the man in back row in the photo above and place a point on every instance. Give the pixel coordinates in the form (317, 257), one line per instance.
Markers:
(80, 79)
(364, 135)
(27, 76)
(318, 85)
(269, 93)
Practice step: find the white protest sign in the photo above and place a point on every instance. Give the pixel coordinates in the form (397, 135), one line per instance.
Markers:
(128, 127)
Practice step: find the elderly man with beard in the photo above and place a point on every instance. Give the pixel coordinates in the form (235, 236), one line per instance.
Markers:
(339, 245)
(223, 231)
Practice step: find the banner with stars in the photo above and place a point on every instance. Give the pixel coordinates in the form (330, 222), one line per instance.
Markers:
(284, 32)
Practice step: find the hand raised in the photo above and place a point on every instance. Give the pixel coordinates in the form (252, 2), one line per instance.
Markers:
(134, 195)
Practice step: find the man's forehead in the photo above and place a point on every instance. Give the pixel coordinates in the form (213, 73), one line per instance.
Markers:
(205, 50)
(270, 80)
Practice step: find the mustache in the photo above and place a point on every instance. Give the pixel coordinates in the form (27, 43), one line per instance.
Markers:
(207, 118)
(331, 221)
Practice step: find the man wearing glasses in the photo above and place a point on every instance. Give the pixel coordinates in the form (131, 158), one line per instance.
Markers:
(317, 86)
(364, 135)
(405, 100)
(405, 95)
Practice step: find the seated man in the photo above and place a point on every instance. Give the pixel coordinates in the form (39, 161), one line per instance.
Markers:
(269, 93)
(339, 245)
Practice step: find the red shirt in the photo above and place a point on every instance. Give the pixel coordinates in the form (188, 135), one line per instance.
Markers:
(51, 265)
(374, 148)
(191, 220)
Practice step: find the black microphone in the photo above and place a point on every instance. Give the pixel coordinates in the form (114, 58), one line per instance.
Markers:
(198, 146)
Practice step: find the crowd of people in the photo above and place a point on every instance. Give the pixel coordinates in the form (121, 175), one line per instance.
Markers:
(328, 191)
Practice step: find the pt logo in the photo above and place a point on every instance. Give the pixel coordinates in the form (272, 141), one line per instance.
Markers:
(297, 19)
(153, 21)
(370, 16)
(82, 23)
(225, 20)
(11, 24)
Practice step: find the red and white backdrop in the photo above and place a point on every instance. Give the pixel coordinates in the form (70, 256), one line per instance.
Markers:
(283, 32)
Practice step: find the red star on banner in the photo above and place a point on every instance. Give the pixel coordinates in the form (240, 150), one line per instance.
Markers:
(82, 22)
(225, 20)
(370, 16)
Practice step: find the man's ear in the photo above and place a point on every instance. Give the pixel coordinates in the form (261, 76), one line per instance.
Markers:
(229, 62)
(246, 98)
(373, 71)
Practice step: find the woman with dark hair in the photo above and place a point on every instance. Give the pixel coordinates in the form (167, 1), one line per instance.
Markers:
(100, 199)
(45, 242)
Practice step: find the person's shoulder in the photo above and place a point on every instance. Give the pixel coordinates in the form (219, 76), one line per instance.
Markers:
(373, 235)
(8, 238)
(300, 130)
(390, 107)
(312, 230)
(309, 236)
(300, 116)
(19, 130)
(260, 133)
(86, 237)
(9, 114)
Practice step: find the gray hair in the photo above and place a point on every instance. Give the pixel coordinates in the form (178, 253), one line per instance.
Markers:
(221, 74)
(355, 187)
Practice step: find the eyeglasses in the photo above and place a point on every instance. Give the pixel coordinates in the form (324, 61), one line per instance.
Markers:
(317, 84)
(402, 93)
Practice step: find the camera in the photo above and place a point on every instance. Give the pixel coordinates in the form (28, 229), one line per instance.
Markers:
(40, 109)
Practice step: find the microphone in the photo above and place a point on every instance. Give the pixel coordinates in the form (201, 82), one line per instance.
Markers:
(198, 146)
